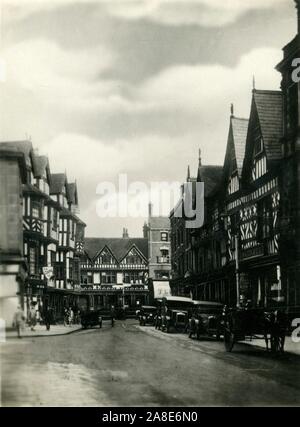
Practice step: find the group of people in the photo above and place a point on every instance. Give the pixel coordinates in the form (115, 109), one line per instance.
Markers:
(34, 316)
(71, 316)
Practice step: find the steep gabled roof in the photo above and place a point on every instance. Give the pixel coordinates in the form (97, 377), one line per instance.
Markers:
(41, 166)
(239, 134)
(73, 195)
(267, 109)
(118, 246)
(25, 147)
(236, 145)
(9, 151)
(269, 106)
(58, 180)
(106, 248)
(211, 175)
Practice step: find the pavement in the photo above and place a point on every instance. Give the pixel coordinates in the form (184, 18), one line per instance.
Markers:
(289, 346)
(257, 342)
(40, 331)
(129, 365)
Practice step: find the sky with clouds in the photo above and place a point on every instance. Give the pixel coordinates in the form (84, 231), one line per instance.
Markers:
(133, 86)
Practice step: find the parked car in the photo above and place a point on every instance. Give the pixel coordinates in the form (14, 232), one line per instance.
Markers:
(147, 315)
(174, 313)
(91, 318)
(205, 318)
(107, 314)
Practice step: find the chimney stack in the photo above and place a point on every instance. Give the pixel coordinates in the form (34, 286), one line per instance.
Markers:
(145, 230)
(125, 233)
(150, 210)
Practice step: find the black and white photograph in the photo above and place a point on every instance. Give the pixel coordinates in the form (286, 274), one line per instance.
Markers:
(149, 205)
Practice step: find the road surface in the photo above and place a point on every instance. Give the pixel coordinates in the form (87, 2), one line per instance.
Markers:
(132, 366)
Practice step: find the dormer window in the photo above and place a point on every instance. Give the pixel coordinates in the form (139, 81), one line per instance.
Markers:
(258, 146)
(106, 257)
(259, 167)
(234, 184)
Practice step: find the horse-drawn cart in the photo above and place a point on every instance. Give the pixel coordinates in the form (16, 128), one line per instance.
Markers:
(242, 323)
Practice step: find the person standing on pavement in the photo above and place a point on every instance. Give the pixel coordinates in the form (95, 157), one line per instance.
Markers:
(113, 315)
(32, 317)
(18, 321)
(47, 318)
(66, 316)
(38, 316)
(71, 316)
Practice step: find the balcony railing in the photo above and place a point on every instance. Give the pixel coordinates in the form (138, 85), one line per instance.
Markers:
(163, 259)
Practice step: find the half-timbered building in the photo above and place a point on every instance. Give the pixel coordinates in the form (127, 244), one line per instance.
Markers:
(230, 194)
(52, 233)
(114, 271)
(258, 220)
(65, 289)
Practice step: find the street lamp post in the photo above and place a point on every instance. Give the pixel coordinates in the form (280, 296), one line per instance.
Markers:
(237, 270)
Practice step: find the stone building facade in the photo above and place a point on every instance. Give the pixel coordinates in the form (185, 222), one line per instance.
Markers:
(13, 268)
(159, 246)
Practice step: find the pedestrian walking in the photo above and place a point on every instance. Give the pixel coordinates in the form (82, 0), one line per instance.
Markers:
(38, 316)
(32, 317)
(66, 316)
(71, 317)
(18, 321)
(47, 318)
(113, 315)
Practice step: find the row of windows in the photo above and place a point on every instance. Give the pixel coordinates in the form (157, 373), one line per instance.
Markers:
(259, 168)
(233, 184)
(65, 225)
(37, 261)
(37, 211)
(110, 277)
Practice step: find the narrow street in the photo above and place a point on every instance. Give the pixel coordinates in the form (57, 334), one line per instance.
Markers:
(132, 366)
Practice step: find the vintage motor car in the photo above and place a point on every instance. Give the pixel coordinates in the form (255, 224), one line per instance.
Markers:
(174, 313)
(91, 318)
(147, 315)
(205, 319)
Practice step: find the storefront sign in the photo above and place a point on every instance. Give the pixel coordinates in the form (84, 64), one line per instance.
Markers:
(48, 272)
(161, 289)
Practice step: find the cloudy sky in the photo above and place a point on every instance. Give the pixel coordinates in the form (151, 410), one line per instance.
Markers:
(135, 86)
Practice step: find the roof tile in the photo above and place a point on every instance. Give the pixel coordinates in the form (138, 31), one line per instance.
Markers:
(118, 246)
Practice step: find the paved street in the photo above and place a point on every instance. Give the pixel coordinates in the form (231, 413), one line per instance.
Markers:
(132, 366)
